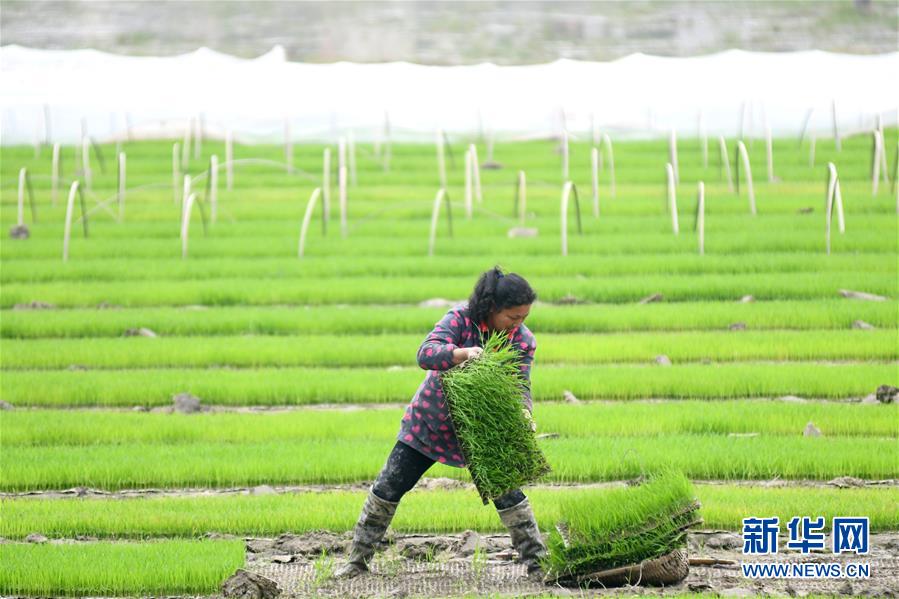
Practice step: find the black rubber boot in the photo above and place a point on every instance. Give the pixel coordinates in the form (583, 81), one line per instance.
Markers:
(376, 516)
(526, 539)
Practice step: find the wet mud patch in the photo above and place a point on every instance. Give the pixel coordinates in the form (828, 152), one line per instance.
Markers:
(453, 565)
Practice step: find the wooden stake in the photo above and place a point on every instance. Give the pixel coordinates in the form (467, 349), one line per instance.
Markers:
(567, 190)
(435, 215)
(805, 122)
(441, 161)
(838, 204)
(48, 136)
(724, 165)
(877, 150)
(341, 181)
(352, 147)
(307, 217)
(121, 187)
(86, 163)
(672, 197)
(476, 172)
(672, 155)
(742, 133)
(185, 189)
(700, 216)
(521, 197)
(828, 210)
(185, 222)
(70, 209)
(594, 169)
(326, 183)
(229, 160)
(769, 151)
(744, 158)
(607, 146)
(54, 174)
(341, 154)
(213, 186)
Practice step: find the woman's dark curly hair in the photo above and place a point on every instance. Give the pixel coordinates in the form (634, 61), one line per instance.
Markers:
(495, 291)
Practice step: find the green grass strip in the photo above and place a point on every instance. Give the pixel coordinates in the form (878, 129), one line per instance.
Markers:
(34, 270)
(387, 350)
(301, 386)
(580, 459)
(618, 527)
(448, 510)
(367, 290)
(118, 569)
(591, 318)
(598, 419)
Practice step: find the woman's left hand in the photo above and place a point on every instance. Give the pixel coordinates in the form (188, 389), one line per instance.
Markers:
(530, 419)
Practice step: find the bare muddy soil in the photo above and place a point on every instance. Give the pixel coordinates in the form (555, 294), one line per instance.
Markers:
(425, 484)
(447, 566)
(473, 564)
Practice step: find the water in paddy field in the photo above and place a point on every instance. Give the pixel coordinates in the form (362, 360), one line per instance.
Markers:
(440, 33)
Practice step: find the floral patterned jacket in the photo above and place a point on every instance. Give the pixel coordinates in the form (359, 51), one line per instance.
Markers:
(426, 426)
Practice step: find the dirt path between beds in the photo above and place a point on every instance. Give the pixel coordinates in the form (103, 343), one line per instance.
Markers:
(446, 566)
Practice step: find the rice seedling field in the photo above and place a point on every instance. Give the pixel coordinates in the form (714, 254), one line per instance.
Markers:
(751, 369)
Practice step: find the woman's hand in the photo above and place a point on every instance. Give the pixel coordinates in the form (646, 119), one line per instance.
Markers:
(460, 354)
(530, 419)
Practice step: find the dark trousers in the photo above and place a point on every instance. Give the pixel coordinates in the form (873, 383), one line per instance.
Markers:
(405, 466)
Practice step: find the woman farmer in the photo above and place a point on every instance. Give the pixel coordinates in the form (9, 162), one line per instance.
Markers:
(498, 303)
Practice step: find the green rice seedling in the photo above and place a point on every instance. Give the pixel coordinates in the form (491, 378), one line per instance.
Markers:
(118, 569)
(621, 527)
(389, 562)
(387, 350)
(439, 511)
(478, 562)
(303, 386)
(321, 461)
(484, 399)
(45, 270)
(232, 291)
(369, 320)
(49, 427)
(323, 568)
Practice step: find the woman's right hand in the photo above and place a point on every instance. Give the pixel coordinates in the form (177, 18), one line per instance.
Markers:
(460, 354)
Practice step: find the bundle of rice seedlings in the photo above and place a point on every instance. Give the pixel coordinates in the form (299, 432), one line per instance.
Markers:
(607, 530)
(484, 399)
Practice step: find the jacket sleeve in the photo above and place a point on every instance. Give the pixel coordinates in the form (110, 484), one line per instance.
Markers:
(526, 349)
(436, 352)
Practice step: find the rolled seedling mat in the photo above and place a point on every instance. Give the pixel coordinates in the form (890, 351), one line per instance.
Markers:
(666, 570)
(644, 540)
(485, 406)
